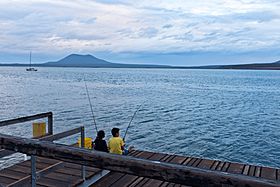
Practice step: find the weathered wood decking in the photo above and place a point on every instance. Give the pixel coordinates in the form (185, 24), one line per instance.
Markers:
(67, 175)
(70, 174)
(117, 179)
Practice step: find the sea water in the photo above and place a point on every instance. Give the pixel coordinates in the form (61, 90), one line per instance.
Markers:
(230, 115)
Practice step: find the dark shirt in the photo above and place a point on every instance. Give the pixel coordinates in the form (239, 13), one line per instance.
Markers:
(100, 145)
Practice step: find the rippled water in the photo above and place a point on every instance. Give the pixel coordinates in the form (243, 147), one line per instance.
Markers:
(216, 114)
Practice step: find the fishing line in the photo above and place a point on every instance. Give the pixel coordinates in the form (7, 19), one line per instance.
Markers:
(90, 105)
(131, 121)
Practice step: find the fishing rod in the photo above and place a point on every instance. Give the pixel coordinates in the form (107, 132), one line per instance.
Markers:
(90, 105)
(131, 121)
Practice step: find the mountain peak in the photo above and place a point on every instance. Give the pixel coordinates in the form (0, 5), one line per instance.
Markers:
(79, 60)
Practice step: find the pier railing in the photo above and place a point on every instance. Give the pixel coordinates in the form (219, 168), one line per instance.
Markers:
(47, 137)
(129, 165)
(48, 115)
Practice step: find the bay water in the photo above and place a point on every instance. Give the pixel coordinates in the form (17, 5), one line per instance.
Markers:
(230, 115)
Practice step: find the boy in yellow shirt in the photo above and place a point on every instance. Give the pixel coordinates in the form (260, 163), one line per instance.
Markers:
(116, 143)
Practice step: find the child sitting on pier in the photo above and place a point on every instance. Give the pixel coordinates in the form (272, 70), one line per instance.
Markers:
(99, 143)
(116, 143)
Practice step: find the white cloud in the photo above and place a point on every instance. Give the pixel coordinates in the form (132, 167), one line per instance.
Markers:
(58, 26)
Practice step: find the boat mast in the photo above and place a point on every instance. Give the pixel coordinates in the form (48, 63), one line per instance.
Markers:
(30, 59)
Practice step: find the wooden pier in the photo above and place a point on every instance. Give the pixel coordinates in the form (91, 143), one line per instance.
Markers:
(53, 164)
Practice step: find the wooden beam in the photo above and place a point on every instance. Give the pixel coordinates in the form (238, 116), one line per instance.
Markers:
(144, 168)
(4, 152)
(47, 137)
(62, 134)
(24, 119)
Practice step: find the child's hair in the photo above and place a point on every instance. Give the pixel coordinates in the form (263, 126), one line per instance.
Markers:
(100, 134)
(115, 131)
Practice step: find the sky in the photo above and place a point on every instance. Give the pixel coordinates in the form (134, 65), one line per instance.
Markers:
(168, 32)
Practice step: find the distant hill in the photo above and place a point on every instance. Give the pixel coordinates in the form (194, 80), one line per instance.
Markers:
(89, 61)
(256, 66)
(76, 60)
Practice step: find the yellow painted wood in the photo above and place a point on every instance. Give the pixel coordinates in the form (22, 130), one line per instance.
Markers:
(39, 129)
(88, 142)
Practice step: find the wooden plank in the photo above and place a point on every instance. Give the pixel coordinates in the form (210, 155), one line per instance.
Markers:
(56, 176)
(108, 180)
(258, 171)
(187, 161)
(76, 172)
(123, 179)
(252, 171)
(169, 158)
(191, 161)
(12, 174)
(220, 166)
(268, 173)
(175, 160)
(215, 165)
(51, 182)
(157, 156)
(135, 182)
(126, 180)
(62, 134)
(39, 174)
(226, 166)
(164, 184)
(171, 185)
(21, 169)
(246, 170)
(74, 180)
(205, 164)
(178, 160)
(235, 168)
(24, 119)
(154, 182)
(66, 165)
(4, 180)
(177, 185)
(143, 168)
(145, 155)
(131, 153)
(196, 162)
(141, 183)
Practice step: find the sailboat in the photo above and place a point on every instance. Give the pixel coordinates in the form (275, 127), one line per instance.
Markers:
(30, 68)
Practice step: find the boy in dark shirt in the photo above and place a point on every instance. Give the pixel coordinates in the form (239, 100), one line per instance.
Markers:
(99, 143)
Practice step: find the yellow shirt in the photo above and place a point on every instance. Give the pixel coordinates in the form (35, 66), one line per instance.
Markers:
(115, 145)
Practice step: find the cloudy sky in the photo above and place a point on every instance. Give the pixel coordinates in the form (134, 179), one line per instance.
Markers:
(176, 32)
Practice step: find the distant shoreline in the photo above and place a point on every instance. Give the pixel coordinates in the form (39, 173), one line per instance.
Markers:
(225, 67)
(90, 61)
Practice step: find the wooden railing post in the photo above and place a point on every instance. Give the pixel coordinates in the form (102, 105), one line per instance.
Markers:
(50, 124)
(83, 145)
(33, 171)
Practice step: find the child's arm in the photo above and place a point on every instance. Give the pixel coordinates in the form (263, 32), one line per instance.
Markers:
(122, 144)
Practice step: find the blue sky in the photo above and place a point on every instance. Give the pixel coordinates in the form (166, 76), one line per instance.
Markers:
(174, 32)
